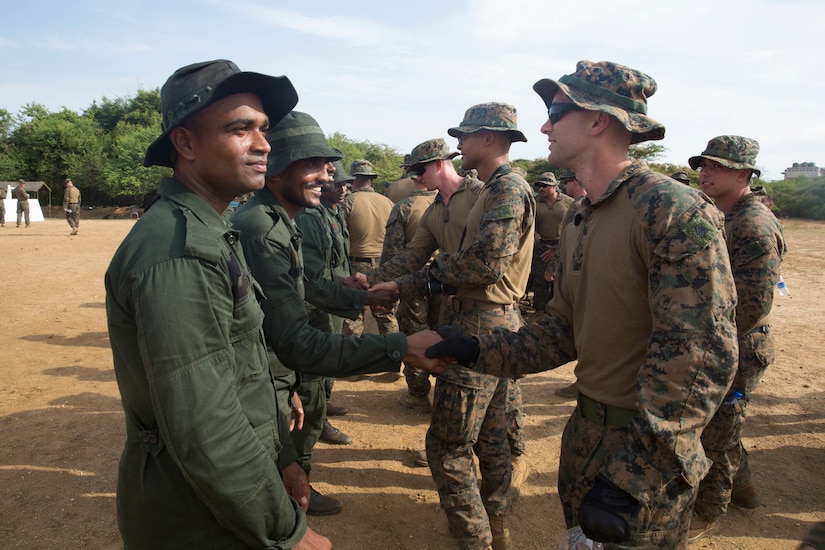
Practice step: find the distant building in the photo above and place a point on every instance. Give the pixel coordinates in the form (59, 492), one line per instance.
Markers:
(804, 169)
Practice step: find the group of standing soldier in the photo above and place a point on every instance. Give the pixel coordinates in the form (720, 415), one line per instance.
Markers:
(226, 335)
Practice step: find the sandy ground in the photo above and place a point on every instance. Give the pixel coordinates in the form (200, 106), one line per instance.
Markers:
(61, 424)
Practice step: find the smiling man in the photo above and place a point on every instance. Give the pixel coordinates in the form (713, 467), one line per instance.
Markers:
(299, 165)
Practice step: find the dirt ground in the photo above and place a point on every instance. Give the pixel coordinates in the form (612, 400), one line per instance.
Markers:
(61, 425)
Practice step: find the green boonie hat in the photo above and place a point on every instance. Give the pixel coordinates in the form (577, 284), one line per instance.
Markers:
(681, 176)
(199, 85)
(20, 181)
(497, 117)
(610, 88)
(362, 167)
(341, 173)
(430, 150)
(547, 178)
(297, 137)
(735, 152)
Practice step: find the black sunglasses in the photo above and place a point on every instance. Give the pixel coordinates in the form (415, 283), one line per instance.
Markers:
(543, 185)
(557, 110)
(420, 169)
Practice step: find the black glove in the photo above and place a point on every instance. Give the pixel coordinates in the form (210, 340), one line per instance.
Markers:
(460, 347)
(608, 513)
(434, 287)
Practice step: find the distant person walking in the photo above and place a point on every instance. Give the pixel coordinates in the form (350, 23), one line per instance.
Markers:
(71, 205)
(3, 193)
(22, 197)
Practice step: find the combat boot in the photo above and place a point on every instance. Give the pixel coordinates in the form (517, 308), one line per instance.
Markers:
(322, 505)
(501, 533)
(332, 410)
(701, 527)
(420, 403)
(420, 459)
(521, 469)
(331, 434)
(745, 495)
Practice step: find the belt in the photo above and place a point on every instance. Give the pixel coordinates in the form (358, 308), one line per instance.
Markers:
(615, 416)
(71, 203)
(465, 304)
(363, 260)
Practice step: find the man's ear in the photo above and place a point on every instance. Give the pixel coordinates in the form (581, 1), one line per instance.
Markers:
(181, 139)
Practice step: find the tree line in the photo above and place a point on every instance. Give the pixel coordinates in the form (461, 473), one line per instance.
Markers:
(102, 150)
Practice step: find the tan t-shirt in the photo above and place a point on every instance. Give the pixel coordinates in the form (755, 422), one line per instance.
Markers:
(367, 220)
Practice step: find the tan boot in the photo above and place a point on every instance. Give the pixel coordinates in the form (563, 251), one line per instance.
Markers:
(745, 495)
(521, 469)
(701, 527)
(501, 533)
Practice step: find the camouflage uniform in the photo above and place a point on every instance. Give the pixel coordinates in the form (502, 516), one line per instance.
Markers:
(645, 302)
(440, 228)
(490, 272)
(548, 228)
(366, 213)
(756, 246)
(416, 313)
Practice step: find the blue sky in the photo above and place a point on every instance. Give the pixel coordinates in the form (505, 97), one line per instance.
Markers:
(401, 74)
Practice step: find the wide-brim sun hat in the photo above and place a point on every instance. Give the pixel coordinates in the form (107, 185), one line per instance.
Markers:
(492, 116)
(736, 152)
(298, 136)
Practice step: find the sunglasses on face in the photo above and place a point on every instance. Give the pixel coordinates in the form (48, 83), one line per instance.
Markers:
(420, 169)
(557, 111)
(543, 185)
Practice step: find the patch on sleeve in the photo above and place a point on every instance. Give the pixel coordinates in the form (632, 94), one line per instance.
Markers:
(700, 231)
(754, 250)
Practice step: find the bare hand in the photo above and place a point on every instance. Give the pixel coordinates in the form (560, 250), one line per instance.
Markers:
(417, 344)
(391, 286)
(381, 298)
(549, 276)
(357, 281)
(547, 254)
(297, 484)
(297, 419)
(313, 541)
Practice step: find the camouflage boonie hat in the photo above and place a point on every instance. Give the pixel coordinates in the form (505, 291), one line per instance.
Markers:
(735, 152)
(681, 176)
(430, 150)
(547, 178)
(609, 88)
(199, 85)
(362, 168)
(297, 137)
(341, 174)
(497, 117)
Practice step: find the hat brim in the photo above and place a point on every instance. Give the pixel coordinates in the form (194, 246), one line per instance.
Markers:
(695, 162)
(641, 127)
(281, 161)
(459, 131)
(277, 94)
(451, 156)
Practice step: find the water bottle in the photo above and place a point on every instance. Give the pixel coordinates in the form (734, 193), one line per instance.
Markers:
(780, 286)
(733, 398)
(575, 539)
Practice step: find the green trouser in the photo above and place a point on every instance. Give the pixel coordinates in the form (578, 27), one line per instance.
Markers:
(313, 394)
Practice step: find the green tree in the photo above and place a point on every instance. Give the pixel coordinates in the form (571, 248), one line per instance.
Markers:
(386, 160)
(647, 151)
(124, 178)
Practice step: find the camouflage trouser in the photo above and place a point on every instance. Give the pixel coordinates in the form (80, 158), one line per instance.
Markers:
(413, 316)
(384, 319)
(586, 446)
(313, 394)
(470, 415)
(73, 217)
(722, 438)
(542, 290)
